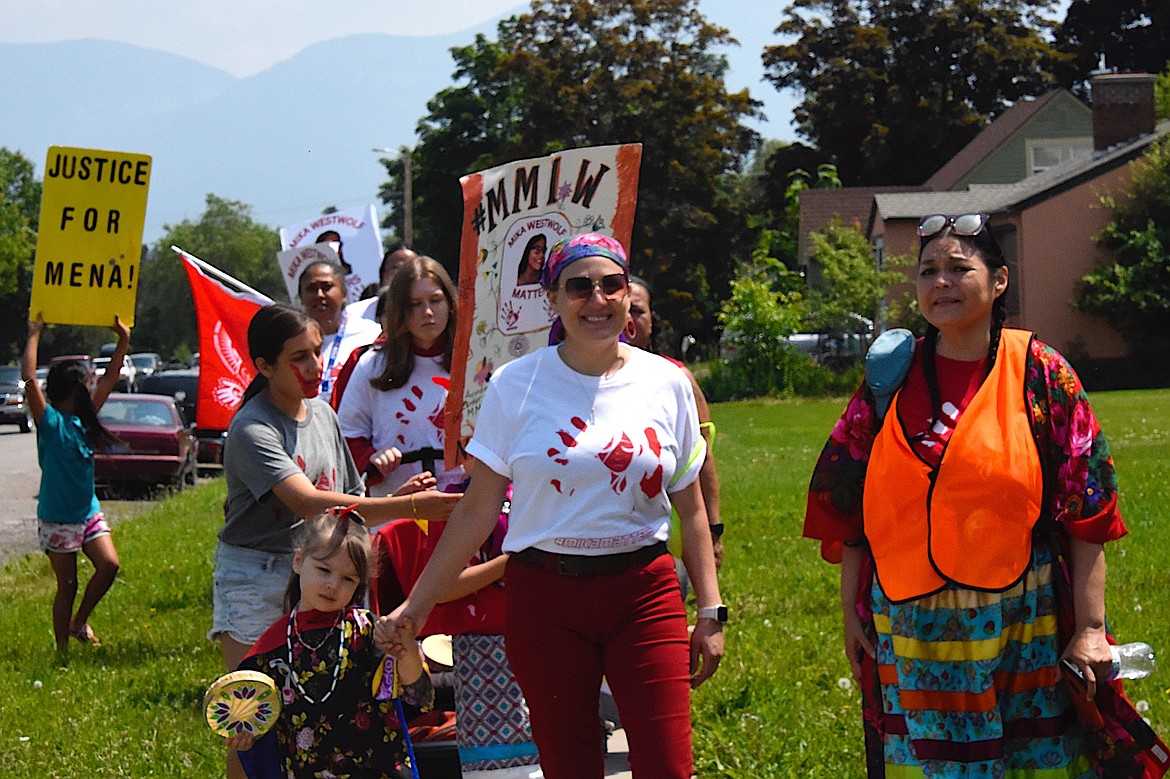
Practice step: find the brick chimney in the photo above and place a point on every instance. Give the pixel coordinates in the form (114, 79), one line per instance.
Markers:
(1123, 107)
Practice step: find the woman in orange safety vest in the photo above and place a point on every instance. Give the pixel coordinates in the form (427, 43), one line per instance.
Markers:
(970, 525)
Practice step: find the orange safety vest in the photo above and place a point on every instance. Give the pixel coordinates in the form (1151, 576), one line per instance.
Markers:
(968, 520)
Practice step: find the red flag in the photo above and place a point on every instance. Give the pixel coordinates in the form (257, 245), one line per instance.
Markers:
(225, 369)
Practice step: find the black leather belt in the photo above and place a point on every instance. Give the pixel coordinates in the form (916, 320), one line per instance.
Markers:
(588, 565)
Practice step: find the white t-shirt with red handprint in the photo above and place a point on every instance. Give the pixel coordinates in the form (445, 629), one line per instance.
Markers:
(591, 458)
(409, 418)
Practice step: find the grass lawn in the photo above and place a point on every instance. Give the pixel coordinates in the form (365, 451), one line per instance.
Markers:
(777, 707)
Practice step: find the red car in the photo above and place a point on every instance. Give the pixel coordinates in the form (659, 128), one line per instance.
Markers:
(155, 446)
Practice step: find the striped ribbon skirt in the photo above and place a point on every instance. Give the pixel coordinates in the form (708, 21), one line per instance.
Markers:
(970, 684)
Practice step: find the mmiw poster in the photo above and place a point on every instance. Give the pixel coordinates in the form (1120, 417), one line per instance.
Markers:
(352, 234)
(512, 216)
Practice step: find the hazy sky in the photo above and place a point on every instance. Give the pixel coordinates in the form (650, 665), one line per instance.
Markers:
(242, 38)
(246, 37)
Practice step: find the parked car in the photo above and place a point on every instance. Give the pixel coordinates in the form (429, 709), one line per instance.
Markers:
(127, 375)
(836, 348)
(145, 364)
(155, 446)
(13, 404)
(183, 386)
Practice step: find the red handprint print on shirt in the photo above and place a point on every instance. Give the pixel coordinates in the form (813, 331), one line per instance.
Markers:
(568, 440)
(652, 482)
(616, 455)
(326, 479)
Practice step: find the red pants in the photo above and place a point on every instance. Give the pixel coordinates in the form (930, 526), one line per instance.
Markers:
(563, 633)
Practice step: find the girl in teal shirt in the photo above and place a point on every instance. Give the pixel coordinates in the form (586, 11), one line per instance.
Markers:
(69, 517)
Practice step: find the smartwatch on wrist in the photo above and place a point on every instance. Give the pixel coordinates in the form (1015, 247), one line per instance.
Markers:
(717, 613)
(716, 530)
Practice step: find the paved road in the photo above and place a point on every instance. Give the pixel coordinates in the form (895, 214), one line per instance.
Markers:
(19, 478)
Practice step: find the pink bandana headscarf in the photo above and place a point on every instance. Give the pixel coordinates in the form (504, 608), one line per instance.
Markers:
(569, 250)
(578, 247)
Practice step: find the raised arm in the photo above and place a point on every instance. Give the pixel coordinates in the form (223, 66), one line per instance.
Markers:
(28, 370)
(109, 379)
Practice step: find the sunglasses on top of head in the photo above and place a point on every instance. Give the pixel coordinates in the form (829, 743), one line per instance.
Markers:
(611, 286)
(964, 224)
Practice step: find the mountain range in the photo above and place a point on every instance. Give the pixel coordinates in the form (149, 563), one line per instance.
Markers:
(289, 141)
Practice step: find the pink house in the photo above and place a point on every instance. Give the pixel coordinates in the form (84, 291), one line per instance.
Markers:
(1041, 185)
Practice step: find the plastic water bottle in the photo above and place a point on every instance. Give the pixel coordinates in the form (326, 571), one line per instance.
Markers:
(1132, 661)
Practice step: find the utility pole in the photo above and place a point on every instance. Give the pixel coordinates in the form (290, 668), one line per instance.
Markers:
(407, 198)
(407, 191)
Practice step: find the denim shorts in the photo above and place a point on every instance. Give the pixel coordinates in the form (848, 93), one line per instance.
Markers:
(247, 592)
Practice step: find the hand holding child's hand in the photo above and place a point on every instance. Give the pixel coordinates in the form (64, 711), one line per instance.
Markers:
(385, 635)
(240, 742)
(394, 638)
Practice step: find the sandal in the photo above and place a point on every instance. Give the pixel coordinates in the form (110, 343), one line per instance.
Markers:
(85, 635)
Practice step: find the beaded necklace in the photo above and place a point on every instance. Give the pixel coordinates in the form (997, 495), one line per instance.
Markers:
(290, 632)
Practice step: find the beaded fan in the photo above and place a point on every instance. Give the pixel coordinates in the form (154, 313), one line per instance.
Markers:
(242, 702)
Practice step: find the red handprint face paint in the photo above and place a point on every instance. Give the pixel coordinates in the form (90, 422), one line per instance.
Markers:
(310, 385)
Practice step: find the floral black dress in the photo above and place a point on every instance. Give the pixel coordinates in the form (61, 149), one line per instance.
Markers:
(332, 728)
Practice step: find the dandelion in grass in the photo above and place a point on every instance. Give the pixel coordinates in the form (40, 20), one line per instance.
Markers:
(1137, 607)
(1142, 706)
(845, 683)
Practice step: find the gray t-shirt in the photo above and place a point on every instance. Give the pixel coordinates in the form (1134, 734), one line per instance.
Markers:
(264, 447)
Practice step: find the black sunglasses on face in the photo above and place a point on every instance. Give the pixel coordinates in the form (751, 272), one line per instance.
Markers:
(964, 224)
(581, 287)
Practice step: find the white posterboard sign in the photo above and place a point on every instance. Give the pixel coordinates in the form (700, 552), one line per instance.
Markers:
(512, 216)
(359, 248)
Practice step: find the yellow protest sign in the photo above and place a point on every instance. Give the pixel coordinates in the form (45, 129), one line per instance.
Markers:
(93, 209)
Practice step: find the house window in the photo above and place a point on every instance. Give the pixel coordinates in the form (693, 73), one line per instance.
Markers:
(1046, 153)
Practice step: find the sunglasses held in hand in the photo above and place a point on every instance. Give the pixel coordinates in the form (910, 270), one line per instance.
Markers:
(964, 224)
(581, 287)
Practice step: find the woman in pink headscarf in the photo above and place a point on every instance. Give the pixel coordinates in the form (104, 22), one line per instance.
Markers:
(599, 439)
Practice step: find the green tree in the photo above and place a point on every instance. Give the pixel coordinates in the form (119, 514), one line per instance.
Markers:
(1133, 292)
(765, 307)
(1130, 34)
(228, 237)
(767, 193)
(20, 204)
(892, 90)
(579, 73)
(1162, 94)
(848, 281)
(467, 128)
